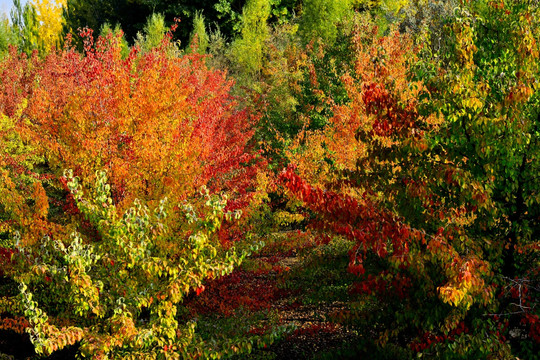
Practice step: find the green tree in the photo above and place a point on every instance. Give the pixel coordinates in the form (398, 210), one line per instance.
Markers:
(319, 19)
(199, 33)
(247, 51)
(229, 13)
(122, 292)
(490, 95)
(130, 14)
(483, 70)
(152, 34)
(26, 25)
(8, 36)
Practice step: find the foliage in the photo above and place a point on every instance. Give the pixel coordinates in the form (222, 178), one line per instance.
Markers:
(199, 38)
(299, 86)
(421, 16)
(121, 290)
(225, 15)
(8, 36)
(321, 17)
(395, 166)
(113, 34)
(26, 25)
(248, 49)
(281, 12)
(375, 175)
(131, 15)
(492, 126)
(493, 85)
(50, 23)
(24, 206)
(129, 113)
(154, 33)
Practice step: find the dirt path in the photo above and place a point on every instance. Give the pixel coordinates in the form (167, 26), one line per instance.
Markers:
(316, 336)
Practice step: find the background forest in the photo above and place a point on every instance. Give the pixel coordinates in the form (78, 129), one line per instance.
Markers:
(270, 179)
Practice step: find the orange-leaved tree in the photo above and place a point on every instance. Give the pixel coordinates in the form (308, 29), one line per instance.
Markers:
(161, 125)
(145, 128)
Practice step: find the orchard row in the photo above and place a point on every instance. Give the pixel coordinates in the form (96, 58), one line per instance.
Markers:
(132, 177)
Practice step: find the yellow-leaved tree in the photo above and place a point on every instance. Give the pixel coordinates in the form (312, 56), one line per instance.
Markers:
(50, 20)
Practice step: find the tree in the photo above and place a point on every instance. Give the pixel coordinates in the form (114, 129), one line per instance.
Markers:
(50, 23)
(111, 282)
(24, 206)
(299, 86)
(128, 113)
(154, 32)
(422, 196)
(490, 99)
(248, 50)
(320, 18)
(199, 38)
(160, 126)
(26, 25)
(225, 15)
(130, 15)
(8, 36)
(113, 34)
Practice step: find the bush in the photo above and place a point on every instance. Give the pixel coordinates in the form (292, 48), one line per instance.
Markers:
(117, 293)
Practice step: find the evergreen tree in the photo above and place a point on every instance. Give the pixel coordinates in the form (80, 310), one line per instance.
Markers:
(225, 15)
(131, 15)
(117, 33)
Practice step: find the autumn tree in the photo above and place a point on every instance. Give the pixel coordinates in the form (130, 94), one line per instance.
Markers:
(112, 34)
(49, 18)
(490, 96)
(171, 93)
(160, 126)
(300, 85)
(24, 206)
(384, 173)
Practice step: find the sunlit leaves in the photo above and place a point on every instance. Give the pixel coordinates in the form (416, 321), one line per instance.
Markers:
(161, 126)
(122, 289)
(49, 17)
